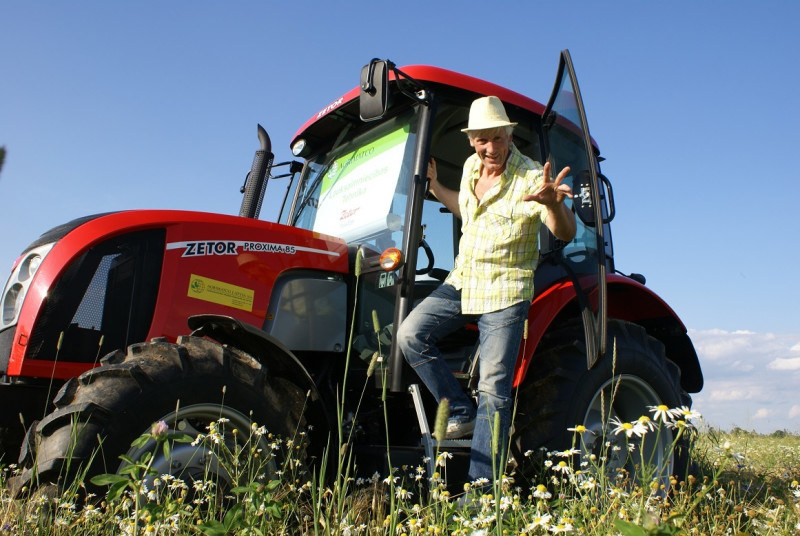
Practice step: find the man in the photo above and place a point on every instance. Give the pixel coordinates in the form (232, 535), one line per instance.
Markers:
(503, 198)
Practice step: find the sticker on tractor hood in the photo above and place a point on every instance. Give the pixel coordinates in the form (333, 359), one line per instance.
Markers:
(201, 248)
(211, 290)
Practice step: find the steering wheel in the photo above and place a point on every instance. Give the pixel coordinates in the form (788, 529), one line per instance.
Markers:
(428, 253)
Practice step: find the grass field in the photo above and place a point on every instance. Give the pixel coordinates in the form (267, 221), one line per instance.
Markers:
(740, 483)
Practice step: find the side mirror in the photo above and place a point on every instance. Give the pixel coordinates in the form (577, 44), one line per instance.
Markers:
(373, 96)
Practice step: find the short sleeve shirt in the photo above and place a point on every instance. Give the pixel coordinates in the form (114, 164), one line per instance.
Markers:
(499, 245)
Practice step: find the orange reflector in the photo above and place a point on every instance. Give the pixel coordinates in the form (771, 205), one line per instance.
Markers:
(391, 259)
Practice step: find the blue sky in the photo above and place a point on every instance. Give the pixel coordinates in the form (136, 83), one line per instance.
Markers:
(113, 105)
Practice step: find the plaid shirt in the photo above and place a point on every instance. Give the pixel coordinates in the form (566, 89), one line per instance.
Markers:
(499, 244)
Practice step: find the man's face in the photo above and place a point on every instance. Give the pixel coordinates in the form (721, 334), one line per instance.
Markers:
(492, 147)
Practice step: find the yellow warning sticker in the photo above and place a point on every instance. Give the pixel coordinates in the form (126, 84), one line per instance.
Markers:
(211, 290)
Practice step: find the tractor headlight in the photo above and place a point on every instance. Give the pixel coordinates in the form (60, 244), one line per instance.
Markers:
(300, 148)
(11, 304)
(18, 283)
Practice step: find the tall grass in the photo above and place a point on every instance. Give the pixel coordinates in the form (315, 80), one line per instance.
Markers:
(255, 483)
(741, 484)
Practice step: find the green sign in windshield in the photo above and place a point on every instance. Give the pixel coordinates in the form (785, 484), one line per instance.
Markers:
(358, 187)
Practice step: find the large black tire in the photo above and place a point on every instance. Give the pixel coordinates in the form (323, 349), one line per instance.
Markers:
(560, 393)
(187, 385)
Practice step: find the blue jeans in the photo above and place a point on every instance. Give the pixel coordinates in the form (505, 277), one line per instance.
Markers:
(500, 337)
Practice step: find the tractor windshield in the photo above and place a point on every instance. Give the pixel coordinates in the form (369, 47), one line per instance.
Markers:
(358, 190)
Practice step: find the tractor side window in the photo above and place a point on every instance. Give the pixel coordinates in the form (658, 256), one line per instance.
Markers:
(440, 229)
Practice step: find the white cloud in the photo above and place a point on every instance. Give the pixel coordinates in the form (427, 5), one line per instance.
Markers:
(718, 344)
(792, 363)
(762, 413)
(750, 379)
(728, 395)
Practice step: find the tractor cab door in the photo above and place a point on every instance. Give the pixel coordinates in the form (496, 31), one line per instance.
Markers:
(567, 143)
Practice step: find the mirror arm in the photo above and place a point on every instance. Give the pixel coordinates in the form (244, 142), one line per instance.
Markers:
(421, 92)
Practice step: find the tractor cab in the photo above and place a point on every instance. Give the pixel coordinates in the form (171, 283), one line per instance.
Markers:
(364, 180)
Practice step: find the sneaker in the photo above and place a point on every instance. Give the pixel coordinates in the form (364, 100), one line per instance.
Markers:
(459, 429)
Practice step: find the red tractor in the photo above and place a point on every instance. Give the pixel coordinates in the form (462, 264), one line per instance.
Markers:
(115, 321)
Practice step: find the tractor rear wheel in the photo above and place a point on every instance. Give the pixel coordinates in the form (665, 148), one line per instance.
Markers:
(561, 394)
(195, 387)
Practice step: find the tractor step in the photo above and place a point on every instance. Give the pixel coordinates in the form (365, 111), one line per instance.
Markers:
(429, 442)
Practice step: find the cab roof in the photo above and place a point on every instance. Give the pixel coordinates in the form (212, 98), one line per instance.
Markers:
(344, 105)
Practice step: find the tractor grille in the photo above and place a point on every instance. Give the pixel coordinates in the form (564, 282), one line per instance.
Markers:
(103, 301)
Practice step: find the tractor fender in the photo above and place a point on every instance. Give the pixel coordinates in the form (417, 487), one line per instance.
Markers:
(268, 351)
(627, 300)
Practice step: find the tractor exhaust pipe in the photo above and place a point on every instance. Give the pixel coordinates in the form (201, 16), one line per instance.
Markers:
(255, 183)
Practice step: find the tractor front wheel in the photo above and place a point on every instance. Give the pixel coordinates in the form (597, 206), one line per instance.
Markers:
(195, 388)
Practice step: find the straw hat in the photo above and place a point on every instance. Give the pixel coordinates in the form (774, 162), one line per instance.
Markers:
(486, 113)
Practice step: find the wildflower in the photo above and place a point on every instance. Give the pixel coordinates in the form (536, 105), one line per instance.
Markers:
(258, 431)
(690, 414)
(647, 423)
(663, 413)
(541, 492)
(159, 430)
(67, 506)
(507, 503)
(538, 521)
(681, 425)
(562, 467)
(561, 527)
(441, 460)
(567, 453)
(579, 429)
(401, 493)
(630, 429)
(480, 482)
(617, 492)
